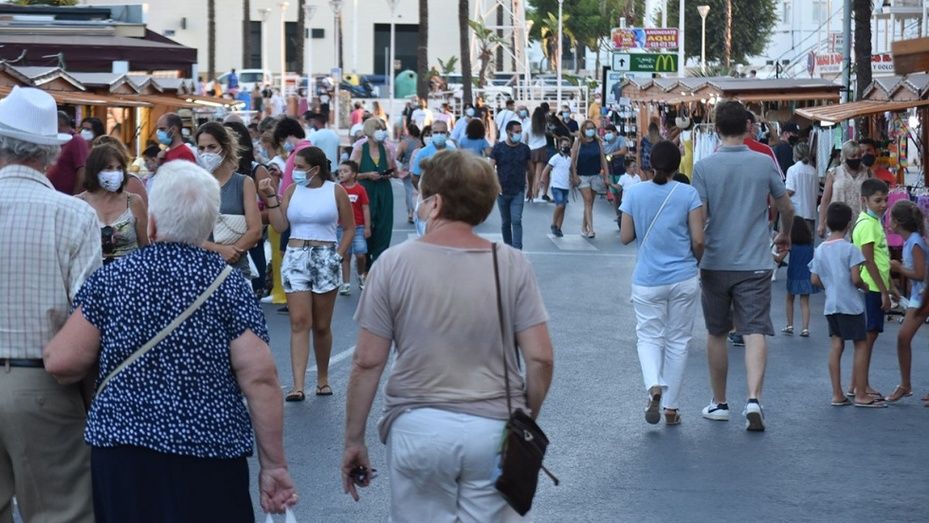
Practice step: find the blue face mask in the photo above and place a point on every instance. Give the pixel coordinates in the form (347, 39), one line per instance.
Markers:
(590, 133)
(873, 214)
(164, 137)
(300, 178)
(288, 147)
(438, 139)
(516, 137)
(609, 137)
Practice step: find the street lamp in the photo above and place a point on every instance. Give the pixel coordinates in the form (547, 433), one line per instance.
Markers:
(265, 66)
(703, 10)
(526, 56)
(308, 12)
(283, 49)
(560, 53)
(390, 66)
(336, 6)
(681, 57)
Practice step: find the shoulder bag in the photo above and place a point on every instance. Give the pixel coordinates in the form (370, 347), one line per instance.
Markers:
(657, 214)
(165, 332)
(524, 443)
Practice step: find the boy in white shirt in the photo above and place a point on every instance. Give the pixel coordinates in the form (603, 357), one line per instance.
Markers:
(558, 171)
(626, 180)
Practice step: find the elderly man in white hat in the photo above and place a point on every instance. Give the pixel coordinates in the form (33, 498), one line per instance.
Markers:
(50, 245)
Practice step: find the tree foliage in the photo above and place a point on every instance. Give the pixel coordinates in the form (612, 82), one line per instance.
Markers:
(753, 23)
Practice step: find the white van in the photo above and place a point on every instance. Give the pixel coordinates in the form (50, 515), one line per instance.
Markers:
(247, 79)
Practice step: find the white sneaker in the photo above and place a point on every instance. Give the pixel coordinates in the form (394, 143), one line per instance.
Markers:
(716, 411)
(345, 289)
(538, 200)
(268, 299)
(361, 281)
(754, 417)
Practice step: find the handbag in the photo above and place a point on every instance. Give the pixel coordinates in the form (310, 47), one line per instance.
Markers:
(524, 443)
(165, 332)
(229, 228)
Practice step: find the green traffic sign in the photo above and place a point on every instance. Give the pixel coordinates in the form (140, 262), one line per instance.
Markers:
(645, 62)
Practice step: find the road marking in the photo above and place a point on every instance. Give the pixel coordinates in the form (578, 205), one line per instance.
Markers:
(572, 242)
(335, 359)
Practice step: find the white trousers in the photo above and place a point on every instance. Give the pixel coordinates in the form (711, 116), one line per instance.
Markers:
(442, 468)
(664, 324)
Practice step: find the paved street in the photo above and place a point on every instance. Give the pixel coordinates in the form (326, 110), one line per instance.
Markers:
(814, 463)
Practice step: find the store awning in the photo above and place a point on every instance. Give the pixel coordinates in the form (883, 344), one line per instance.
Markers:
(84, 98)
(848, 111)
(164, 100)
(786, 97)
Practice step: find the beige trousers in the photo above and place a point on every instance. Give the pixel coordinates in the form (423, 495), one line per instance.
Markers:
(44, 461)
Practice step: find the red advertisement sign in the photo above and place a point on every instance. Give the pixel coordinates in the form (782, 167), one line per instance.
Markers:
(638, 38)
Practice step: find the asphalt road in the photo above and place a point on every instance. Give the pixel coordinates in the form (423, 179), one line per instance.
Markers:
(815, 462)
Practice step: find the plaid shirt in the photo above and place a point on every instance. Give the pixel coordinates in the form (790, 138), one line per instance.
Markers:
(50, 245)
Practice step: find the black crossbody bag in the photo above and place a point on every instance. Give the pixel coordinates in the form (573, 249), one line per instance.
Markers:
(524, 443)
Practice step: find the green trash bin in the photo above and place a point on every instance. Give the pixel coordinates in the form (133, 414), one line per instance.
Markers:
(405, 85)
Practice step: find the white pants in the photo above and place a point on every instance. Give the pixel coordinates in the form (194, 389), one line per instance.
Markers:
(664, 323)
(442, 468)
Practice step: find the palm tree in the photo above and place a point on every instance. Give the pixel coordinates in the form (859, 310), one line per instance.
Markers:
(862, 12)
(211, 39)
(727, 38)
(465, 51)
(422, 51)
(488, 41)
(545, 28)
(246, 34)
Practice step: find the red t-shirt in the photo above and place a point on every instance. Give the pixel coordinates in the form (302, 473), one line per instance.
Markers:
(181, 152)
(63, 174)
(885, 175)
(759, 147)
(359, 198)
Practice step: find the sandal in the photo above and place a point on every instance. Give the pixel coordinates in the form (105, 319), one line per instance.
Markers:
(845, 402)
(324, 390)
(805, 333)
(873, 404)
(899, 393)
(295, 395)
(672, 417)
(652, 416)
(788, 330)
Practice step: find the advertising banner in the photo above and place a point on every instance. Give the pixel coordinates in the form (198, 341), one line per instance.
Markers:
(645, 62)
(638, 38)
(831, 63)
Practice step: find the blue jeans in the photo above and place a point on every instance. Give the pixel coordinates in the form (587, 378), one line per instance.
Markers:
(511, 217)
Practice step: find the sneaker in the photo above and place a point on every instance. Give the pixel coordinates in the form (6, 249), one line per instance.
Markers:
(554, 230)
(538, 200)
(283, 310)
(546, 198)
(361, 281)
(345, 289)
(558, 232)
(268, 299)
(716, 411)
(736, 339)
(754, 416)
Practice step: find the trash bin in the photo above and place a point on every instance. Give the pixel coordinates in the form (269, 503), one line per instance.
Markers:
(405, 84)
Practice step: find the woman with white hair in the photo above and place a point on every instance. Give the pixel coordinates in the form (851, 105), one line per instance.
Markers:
(375, 168)
(843, 183)
(179, 339)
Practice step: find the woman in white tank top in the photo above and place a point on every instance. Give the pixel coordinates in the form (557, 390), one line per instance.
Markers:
(311, 272)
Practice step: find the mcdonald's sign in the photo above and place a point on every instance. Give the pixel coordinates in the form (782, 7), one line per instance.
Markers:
(645, 62)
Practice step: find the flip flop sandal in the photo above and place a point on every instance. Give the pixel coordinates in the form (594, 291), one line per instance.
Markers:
(898, 394)
(788, 330)
(844, 403)
(295, 395)
(805, 333)
(324, 390)
(873, 404)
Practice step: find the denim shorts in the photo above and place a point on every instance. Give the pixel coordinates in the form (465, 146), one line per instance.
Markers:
(359, 244)
(560, 196)
(311, 269)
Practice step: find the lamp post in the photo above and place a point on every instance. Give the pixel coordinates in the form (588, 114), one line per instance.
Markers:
(703, 10)
(264, 41)
(390, 66)
(560, 53)
(308, 12)
(526, 55)
(283, 49)
(336, 6)
(681, 57)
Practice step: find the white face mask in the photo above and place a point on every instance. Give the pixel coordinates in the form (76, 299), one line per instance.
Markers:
(380, 135)
(111, 180)
(87, 134)
(420, 223)
(210, 161)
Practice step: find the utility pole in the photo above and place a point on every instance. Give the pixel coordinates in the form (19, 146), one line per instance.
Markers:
(847, 51)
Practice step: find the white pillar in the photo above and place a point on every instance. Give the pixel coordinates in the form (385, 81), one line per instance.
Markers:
(390, 67)
(355, 36)
(265, 65)
(309, 11)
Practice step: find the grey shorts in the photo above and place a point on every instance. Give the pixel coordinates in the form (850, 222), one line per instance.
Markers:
(311, 269)
(739, 299)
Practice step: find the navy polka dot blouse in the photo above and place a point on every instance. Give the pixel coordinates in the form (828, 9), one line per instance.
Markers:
(181, 397)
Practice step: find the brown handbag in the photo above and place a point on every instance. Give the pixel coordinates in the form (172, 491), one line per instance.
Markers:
(524, 443)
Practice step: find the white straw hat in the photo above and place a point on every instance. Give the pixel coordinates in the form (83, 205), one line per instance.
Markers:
(30, 115)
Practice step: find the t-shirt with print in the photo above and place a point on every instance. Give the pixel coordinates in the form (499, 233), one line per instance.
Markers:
(358, 197)
(512, 165)
(734, 184)
(868, 230)
(833, 262)
(561, 171)
(667, 257)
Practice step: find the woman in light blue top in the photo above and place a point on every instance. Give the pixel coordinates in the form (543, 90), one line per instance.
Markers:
(907, 221)
(666, 220)
(474, 140)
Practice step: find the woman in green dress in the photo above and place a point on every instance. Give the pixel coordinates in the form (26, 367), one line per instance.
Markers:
(376, 168)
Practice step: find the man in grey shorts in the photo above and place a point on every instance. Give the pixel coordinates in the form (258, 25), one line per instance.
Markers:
(734, 184)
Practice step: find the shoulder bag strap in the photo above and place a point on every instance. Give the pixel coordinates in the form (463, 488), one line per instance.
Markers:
(655, 219)
(165, 332)
(506, 369)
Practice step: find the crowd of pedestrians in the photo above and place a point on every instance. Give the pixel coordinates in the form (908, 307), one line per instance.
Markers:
(134, 283)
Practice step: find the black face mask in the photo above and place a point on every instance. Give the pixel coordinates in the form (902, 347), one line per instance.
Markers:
(793, 140)
(853, 164)
(868, 160)
(565, 150)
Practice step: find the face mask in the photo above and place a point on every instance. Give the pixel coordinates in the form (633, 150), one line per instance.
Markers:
(164, 137)
(516, 137)
(210, 161)
(566, 115)
(380, 135)
(565, 150)
(590, 133)
(111, 180)
(873, 214)
(853, 164)
(288, 147)
(793, 140)
(87, 134)
(438, 139)
(524, 113)
(469, 111)
(300, 178)
(418, 221)
(609, 137)
(868, 160)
